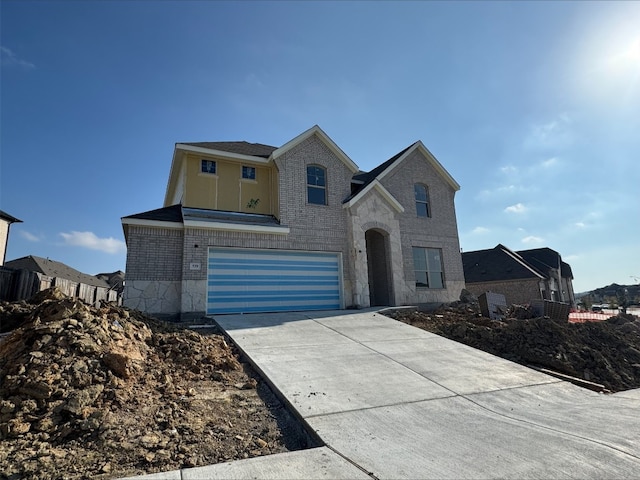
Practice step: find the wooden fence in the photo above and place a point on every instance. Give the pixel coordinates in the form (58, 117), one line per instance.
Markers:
(23, 284)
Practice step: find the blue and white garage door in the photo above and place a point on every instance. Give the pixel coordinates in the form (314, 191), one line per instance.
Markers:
(251, 280)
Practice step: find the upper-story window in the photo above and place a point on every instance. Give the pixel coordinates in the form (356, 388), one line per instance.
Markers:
(422, 200)
(316, 185)
(208, 166)
(249, 172)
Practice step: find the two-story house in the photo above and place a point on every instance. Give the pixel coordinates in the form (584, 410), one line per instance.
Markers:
(249, 227)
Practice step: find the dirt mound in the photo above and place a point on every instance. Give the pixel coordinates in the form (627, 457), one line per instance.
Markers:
(108, 392)
(607, 352)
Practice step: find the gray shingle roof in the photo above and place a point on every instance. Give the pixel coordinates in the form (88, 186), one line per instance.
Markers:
(165, 214)
(492, 265)
(242, 148)
(52, 268)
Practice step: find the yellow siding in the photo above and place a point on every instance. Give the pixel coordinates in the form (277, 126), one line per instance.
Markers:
(227, 190)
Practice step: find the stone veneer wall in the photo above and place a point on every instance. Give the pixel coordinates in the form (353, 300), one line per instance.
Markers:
(154, 270)
(438, 231)
(373, 212)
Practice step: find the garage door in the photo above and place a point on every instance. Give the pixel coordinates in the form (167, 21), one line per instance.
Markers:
(250, 280)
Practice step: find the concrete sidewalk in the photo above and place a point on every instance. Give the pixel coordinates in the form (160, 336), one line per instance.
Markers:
(392, 401)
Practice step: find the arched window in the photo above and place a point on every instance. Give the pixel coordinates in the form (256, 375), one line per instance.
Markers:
(316, 185)
(422, 200)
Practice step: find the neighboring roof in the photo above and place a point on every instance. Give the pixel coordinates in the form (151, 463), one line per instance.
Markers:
(9, 218)
(241, 148)
(496, 264)
(500, 263)
(545, 258)
(52, 268)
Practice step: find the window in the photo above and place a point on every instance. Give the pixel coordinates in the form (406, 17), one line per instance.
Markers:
(422, 200)
(316, 185)
(427, 263)
(249, 173)
(208, 166)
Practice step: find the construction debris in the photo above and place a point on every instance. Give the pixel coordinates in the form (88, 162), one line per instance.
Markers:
(108, 392)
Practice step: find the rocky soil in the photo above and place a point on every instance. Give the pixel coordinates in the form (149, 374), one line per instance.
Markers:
(606, 353)
(107, 392)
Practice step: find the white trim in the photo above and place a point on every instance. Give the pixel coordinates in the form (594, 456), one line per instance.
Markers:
(316, 130)
(381, 190)
(220, 153)
(236, 227)
(151, 223)
(521, 261)
(429, 156)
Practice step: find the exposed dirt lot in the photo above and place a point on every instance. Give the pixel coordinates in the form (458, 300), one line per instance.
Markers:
(607, 353)
(108, 392)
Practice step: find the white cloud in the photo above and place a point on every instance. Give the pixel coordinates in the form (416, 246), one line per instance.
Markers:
(517, 208)
(8, 58)
(532, 239)
(480, 230)
(556, 133)
(29, 236)
(508, 169)
(550, 162)
(91, 241)
(580, 225)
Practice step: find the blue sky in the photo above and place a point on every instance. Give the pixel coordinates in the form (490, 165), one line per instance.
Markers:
(533, 107)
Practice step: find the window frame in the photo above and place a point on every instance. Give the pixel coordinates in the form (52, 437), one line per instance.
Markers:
(207, 162)
(248, 168)
(315, 186)
(431, 271)
(420, 201)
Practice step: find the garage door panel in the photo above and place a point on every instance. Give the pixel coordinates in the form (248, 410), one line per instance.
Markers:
(247, 280)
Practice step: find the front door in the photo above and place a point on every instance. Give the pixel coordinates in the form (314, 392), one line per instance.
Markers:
(378, 266)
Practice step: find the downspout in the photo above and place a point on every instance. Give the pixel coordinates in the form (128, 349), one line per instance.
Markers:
(560, 278)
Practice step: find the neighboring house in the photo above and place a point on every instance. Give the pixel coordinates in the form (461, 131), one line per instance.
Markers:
(249, 227)
(520, 276)
(5, 224)
(50, 273)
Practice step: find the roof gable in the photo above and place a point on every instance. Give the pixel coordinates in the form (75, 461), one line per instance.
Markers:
(397, 160)
(316, 130)
(388, 166)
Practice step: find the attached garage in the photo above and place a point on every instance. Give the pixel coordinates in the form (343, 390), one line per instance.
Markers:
(253, 280)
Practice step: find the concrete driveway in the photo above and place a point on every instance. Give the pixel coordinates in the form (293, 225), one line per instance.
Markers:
(392, 401)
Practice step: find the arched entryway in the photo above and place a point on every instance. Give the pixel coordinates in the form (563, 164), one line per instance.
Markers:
(377, 244)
